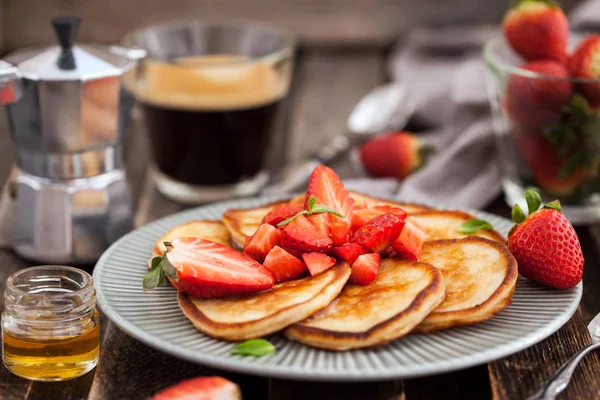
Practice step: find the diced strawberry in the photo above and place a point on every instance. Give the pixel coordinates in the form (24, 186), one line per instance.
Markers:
(318, 262)
(282, 212)
(201, 388)
(322, 222)
(397, 211)
(361, 216)
(207, 269)
(300, 236)
(325, 186)
(379, 233)
(264, 239)
(283, 265)
(365, 269)
(340, 231)
(411, 240)
(349, 252)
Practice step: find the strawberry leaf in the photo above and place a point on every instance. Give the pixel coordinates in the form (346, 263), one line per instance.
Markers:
(320, 208)
(155, 277)
(155, 262)
(569, 166)
(534, 201)
(311, 203)
(474, 225)
(518, 215)
(554, 205)
(253, 347)
(168, 268)
(290, 219)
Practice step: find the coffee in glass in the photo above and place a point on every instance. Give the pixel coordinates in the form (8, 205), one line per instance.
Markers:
(210, 96)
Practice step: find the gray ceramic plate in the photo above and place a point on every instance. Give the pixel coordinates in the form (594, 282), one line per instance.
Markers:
(155, 319)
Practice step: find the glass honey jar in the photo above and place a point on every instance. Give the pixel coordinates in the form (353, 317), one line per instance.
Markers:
(50, 324)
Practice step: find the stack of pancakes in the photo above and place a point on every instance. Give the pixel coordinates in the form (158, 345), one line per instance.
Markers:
(459, 279)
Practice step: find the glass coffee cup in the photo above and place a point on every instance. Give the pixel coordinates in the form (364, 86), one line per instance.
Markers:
(210, 95)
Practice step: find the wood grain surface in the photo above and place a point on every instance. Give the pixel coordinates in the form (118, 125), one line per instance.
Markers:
(129, 369)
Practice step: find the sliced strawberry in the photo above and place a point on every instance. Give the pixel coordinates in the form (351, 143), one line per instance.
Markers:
(379, 233)
(300, 236)
(318, 262)
(389, 252)
(201, 388)
(365, 269)
(282, 212)
(349, 252)
(283, 265)
(264, 239)
(325, 186)
(207, 269)
(411, 240)
(361, 216)
(322, 222)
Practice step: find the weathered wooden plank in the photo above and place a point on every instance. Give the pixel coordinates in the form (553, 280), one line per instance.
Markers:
(298, 390)
(521, 375)
(351, 22)
(468, 384)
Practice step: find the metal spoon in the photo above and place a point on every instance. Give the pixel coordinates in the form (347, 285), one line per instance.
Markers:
(385, 108)
(559, 381)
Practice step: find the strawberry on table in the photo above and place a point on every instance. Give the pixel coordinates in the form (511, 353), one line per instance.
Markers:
(349, 252)
(537, 30)
(264, 239)
(205, 269)
(411, 239)
(325, 186)
(365, 269)
(318, 262)
(394, 154)
(545, 244)
(379, 233)
(282, 212)
(283, 265)
(201, 388)
(585, 63)
(537, 102)
(301, 236)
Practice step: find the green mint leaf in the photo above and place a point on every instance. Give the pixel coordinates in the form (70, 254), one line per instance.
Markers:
(253, 347)
(579, 106)
(290, 219)
(533, 199)
(518, 215)
(168, 268)
(153, 279)
(320, 208)
(554, 205)
(155, 262)
(473, 225)
(569, 166)
(311, 203)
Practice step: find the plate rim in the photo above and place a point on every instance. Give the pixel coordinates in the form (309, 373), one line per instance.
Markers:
(247, 365)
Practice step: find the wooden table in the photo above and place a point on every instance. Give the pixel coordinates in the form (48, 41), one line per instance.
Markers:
(326, 86)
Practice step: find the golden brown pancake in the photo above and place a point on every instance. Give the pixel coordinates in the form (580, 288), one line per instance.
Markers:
(214, 231)
(401, 296)
(443, 224)
(480, 277)
(370, 201)
(256, 315)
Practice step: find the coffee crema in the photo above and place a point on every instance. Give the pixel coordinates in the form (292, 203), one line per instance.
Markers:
(210, 118)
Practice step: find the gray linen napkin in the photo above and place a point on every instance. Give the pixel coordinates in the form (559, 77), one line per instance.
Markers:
(445, 74)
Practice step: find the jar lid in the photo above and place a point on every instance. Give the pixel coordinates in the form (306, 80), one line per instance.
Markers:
(70, 62)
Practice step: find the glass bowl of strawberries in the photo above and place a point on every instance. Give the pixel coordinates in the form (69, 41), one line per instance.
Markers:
(544, 91)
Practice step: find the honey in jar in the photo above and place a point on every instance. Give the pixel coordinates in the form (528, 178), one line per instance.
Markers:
(50, 324)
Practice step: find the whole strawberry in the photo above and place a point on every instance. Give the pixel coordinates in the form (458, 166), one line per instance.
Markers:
(394, 154)
(545, 244)
(585, 63)
(535, 102)
(537, 30)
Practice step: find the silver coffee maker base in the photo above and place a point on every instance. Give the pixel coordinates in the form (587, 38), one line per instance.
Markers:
(71, 221)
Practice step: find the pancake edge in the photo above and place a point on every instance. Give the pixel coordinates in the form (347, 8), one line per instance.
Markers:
(500, 238)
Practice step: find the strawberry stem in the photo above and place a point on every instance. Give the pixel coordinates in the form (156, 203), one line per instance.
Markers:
(518, 215)
(534, 201)
(554, 205)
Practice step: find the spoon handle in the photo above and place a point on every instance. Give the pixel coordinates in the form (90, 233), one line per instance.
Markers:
(559, 381)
